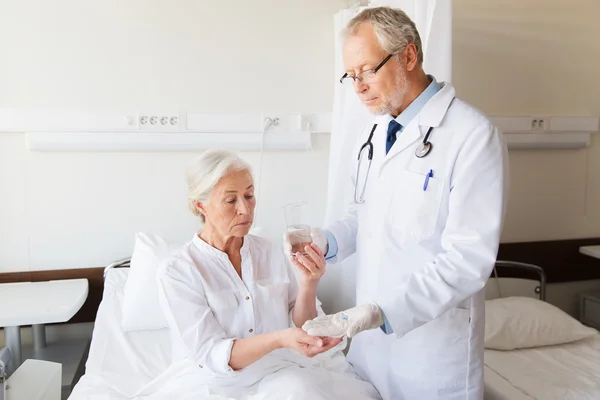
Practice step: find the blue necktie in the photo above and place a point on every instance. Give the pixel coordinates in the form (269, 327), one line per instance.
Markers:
(393, 127)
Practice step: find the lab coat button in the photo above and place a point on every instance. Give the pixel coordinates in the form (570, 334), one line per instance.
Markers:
(247, 297)
(251, 330)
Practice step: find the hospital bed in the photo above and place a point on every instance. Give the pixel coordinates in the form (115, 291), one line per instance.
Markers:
(120, 363)
(131, 364)
(567, 369)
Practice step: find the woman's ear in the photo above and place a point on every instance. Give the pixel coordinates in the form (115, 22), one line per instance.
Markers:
(200, 207)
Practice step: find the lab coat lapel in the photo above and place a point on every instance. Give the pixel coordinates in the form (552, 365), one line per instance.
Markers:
(405, 138)
(431, 115)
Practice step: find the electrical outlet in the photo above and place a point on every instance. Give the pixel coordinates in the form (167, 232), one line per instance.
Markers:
(305, 122)
(539, 123)
(159, 122)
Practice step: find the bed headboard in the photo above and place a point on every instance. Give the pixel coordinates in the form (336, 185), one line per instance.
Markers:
(504, 271)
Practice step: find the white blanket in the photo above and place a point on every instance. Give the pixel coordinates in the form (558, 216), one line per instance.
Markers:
(136, 365)
(566, 372)
(182, 382)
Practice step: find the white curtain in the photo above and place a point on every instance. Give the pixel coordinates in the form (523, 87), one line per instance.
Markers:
(434, 22)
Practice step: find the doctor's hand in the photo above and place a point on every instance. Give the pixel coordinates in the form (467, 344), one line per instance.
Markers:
(311, 265)
(309, 346)
(349, 322)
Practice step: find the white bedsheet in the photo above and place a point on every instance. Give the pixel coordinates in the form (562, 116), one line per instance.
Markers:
(120, 363)
(498, 388)
(566, 372)
(137, 365)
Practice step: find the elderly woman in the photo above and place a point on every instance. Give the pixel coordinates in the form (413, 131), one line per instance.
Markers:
(234, 304)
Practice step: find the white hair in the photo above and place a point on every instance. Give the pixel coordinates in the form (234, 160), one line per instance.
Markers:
(206, 171)
(394, 29)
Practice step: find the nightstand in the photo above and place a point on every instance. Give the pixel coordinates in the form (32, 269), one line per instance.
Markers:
(589, 309)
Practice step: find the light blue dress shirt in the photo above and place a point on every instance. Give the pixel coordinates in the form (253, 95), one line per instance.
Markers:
(403, 119)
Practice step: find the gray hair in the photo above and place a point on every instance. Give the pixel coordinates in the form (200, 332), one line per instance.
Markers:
(394, 29)
(206, 171)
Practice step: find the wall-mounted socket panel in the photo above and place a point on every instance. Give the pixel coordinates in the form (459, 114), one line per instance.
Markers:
(159, 121)
(305, 122)
(540, 123)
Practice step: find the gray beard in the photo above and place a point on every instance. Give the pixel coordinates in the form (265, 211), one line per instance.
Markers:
(400, 89)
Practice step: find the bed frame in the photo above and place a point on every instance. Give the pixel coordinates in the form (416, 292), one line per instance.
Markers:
(122, 263)
(520, 270)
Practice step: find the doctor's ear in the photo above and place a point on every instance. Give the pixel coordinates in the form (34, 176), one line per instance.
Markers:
(410, 55)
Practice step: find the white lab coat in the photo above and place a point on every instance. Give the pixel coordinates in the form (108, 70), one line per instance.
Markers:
(208, 306)
(424, 256)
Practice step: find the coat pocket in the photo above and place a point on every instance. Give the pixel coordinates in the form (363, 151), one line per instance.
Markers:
(416, 205)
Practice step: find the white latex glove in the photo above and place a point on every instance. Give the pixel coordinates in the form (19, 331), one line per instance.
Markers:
(318, 238)
(349, 322)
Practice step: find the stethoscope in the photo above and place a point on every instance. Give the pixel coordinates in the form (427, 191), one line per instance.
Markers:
(421, 151)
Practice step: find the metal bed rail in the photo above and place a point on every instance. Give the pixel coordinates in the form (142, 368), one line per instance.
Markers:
(122, 263)
(521, 270)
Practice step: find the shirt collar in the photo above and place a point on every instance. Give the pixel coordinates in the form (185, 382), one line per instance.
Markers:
(416, 106)
(208, 249)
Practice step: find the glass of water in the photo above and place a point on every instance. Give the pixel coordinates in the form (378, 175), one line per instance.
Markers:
(298, 228)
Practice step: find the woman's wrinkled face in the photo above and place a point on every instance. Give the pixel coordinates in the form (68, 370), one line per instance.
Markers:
(230, 209)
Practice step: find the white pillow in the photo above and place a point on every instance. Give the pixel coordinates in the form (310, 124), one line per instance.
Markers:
(524, 322)
(141, 309)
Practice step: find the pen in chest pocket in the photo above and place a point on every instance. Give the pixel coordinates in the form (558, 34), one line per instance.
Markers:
(429, 175)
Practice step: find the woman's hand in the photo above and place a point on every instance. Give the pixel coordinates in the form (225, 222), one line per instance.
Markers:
(309, 346)
(312, 265)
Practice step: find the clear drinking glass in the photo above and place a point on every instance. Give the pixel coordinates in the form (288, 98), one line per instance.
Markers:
(297, 226)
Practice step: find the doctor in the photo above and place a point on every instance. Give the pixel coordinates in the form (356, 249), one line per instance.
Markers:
(425, 223)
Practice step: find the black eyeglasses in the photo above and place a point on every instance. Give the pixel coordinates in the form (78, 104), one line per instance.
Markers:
(366, 76)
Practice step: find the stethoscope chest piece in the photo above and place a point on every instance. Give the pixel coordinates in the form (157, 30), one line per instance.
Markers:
(423, 149)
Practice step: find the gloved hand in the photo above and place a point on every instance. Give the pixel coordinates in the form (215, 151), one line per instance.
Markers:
(349, 322)
(318, 238)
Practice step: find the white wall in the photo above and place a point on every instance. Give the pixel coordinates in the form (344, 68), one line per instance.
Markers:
(81, 209)
(14, 232)
(184, 54)
(528, 57)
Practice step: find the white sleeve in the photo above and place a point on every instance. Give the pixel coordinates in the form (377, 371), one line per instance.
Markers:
(470, 239)
(344, 231)
(187, 311)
